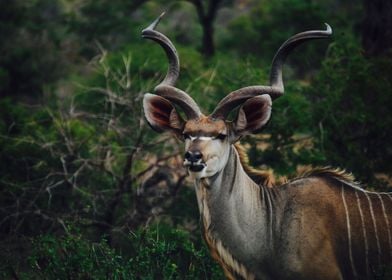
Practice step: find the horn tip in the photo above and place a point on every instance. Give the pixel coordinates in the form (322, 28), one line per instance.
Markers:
(162, 14)
(154, 24)
(329, 29)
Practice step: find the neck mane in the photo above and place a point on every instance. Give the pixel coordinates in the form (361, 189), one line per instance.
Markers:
(260, 177)
(268, 179)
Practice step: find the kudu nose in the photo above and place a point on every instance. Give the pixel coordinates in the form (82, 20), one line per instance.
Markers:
(193, 156)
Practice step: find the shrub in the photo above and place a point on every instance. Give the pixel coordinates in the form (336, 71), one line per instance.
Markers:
(157, 252)
(351, 111)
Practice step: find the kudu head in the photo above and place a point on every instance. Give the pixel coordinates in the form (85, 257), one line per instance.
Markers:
(208, 138)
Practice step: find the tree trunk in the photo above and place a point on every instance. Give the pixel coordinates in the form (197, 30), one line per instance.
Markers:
(377, 27)
(208, 48)
(207, 17)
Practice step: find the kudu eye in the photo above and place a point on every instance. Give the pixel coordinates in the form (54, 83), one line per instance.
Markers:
(221, 136)
(186, 136)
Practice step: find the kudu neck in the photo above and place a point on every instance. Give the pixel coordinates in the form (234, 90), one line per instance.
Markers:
(233, 193)
(235, 210)
(232, 176)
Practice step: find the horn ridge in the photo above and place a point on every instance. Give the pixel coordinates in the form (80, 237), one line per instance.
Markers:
(170, 50)
(276, 75)
(180, 98)
(166, 88)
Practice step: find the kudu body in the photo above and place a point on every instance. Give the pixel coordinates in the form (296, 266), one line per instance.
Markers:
(319, 226)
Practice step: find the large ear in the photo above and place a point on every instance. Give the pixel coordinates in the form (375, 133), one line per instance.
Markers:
(253, 115)
(161, 114)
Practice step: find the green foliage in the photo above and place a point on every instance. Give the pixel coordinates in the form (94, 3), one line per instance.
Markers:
(157, 252)
(107, 22)
(287, 141)
(69, 154)
(169, 254)
(351, 111)
(72, 257)
(270, 23)
(21, 129)
(33, 31)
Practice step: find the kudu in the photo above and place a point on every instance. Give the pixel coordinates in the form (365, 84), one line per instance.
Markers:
(321, 225)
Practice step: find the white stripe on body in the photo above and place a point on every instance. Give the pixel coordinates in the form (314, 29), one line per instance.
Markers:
(375, 227)
(364, 233)
(387, 222)
(349, 235)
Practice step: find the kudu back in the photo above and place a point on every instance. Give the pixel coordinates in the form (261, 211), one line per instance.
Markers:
(321, 225)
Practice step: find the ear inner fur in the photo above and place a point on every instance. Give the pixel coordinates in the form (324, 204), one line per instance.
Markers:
(253, 114)
(161, 114)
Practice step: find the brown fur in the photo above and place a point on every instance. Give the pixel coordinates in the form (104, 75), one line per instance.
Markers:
(205, 126)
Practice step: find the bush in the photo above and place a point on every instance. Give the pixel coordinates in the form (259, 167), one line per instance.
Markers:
(158, 252)
(269, 24)
(287, 142)
(32, 57)
(83, 158)
(351, 111)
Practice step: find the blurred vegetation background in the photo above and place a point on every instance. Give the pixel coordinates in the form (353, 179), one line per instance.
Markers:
(88, 191)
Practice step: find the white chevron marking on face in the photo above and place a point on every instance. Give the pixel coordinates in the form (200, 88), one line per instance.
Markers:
(202, 138)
